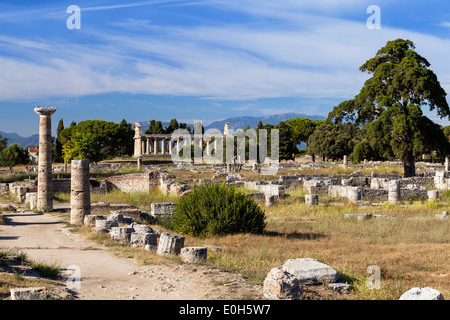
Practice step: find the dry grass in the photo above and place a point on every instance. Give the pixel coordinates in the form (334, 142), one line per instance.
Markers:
(412, 251)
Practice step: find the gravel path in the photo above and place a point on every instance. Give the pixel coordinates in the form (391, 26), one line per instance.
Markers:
(44, 237)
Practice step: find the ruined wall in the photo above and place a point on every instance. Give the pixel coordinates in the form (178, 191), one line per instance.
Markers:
(134, 182)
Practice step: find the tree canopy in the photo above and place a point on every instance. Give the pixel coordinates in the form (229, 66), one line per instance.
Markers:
(389, 106)
(13, 155)
(96, 140)
(333, 140)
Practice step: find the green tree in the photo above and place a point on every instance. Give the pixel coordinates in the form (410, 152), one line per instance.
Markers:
(104, 139)
(173, 125)
(155, 128)
(82, 146)
(303, 128)
(3, 142)
(333, 140)
(13, 155)
(57, 147)
(390, 104)
(184, 125)
(287, 146)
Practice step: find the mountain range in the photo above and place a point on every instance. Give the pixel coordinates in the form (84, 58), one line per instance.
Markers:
(235, 123)
(241, 122)
(24, 142)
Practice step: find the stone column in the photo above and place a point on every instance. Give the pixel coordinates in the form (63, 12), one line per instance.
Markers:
(137, 140)
(394, 191)
(446, 164)
(163, 146)
(80, 188)
(170, 146)
(345, 161)
(208, 147)
(354, 194)
(155, 145)
(170, 243)
(45, 192)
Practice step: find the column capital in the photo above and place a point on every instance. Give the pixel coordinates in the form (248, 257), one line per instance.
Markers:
(44, 111)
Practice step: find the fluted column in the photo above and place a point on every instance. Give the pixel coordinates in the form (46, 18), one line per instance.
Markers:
(45, 192)
(155, 145)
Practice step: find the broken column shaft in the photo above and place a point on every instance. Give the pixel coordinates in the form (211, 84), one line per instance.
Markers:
(80, 187)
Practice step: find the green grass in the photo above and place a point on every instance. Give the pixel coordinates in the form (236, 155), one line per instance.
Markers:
(47, 270)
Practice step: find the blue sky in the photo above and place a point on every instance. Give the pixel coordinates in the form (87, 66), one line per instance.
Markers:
(204, 60)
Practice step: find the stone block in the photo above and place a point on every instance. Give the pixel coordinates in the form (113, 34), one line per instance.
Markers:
(105, 225)
(310, 271)
(121, 233)
(193, 254)
(31, 199)
(341, 288)
(364, 216)
(422, 294)
(170, 243)
(89, 220)
(281, 285)
(433, 195)
(28, 293)
(312, 199)
(444, 215)
(163, 208)
(143, 239)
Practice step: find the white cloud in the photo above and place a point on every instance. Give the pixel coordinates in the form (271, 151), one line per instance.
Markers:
(310, 57)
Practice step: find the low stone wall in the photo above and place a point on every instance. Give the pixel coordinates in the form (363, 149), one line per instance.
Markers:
(272, 189)
(63, 186)
(133, 182)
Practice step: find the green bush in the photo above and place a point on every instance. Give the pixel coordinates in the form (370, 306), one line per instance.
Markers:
(217, 209)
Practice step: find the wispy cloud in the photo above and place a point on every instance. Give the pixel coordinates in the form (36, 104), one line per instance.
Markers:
(130, 5)
(310, 56)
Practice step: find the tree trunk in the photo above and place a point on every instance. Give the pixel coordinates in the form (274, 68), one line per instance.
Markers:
(408, 165)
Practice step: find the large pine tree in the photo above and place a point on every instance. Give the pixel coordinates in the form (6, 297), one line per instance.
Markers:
(390, 104)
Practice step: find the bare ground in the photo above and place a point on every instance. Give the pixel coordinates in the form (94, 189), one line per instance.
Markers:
(45, 238)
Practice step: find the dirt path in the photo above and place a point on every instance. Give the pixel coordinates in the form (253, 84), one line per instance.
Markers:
(106, 277)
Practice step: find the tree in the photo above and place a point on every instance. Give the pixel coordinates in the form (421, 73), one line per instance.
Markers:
(287, 146)
(155, 128)
(173, 125)
(82, 146)
(389, 104)
(184, 125)
(332, 140)
(302, 129)
(13, 155)
(3, 143)
(57, 147)
(97, 140)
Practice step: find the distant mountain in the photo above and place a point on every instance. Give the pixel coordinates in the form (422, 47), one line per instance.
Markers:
(24, 142)
(242, 122)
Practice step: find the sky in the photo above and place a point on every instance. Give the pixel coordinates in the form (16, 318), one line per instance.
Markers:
(201, 59)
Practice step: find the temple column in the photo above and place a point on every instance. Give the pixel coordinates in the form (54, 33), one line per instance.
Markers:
(155, 145)
(45, 191)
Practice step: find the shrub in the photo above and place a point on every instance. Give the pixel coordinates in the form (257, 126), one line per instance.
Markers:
(217, 209)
